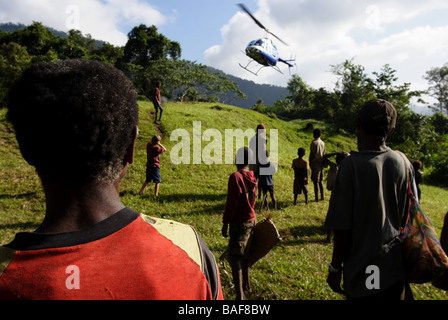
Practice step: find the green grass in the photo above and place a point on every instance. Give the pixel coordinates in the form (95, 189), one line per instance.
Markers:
(196, 193)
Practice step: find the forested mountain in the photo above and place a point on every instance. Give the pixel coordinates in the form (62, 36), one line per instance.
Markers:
(148, 57)
(11, 27)
(269, 94)
(254, 92)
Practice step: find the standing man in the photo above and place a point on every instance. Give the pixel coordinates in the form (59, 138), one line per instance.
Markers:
(317, 152)
(366, 210)
(257, 147)
(157, 101)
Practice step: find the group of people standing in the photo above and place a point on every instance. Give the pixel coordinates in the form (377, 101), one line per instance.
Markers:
(367, 208)
(91, 246)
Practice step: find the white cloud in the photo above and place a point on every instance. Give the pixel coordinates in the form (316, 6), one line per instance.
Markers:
(101, 19)
(401, 33)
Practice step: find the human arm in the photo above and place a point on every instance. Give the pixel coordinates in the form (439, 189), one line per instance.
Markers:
(225, 227)
(161, 146)
(233, 192)
(339, 220)
(340, 250)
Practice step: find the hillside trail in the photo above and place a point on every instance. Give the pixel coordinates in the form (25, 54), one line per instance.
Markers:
(160, 129)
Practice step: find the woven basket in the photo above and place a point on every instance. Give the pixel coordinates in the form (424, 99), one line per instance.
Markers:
(265, 236)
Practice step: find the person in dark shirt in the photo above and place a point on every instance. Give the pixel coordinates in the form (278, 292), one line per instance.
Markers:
(301, 168)
(367, 205)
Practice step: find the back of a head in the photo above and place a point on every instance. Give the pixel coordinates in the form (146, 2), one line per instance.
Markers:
(242, 157)
(317, 133)
(155, 139)
(74, 119)
(377, 117)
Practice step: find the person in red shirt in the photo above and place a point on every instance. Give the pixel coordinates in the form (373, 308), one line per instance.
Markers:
(239, 220)
(157, 101)
(76, 123)
(153, 150)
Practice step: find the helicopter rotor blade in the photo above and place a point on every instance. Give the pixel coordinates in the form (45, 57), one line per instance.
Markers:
(278, 38)
(242, 6)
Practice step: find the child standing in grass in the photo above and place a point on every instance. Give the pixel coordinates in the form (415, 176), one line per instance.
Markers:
(153, 150)
(301, 168)
(239, 220)
(266, 182)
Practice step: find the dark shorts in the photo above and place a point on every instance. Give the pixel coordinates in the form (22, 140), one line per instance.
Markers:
(265, 189)
(153, 174)
(317, 175)
(300, 184)
(158, 106)
(240, 236)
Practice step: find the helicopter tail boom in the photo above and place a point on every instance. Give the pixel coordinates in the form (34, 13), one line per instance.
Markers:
(286, 62)
(290, 65)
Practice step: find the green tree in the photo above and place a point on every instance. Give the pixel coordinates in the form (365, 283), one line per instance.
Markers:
(184, 80)
(440, 122)
(385, 87)
(108, 53)
(75, 45)
(326, 104)
(14, 58)
(301, 93)
(36, 38)
(354, 88)
(438, 80)
(145, 44)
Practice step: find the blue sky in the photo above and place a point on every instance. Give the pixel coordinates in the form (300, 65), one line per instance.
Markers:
(197, 24)
(409, 35)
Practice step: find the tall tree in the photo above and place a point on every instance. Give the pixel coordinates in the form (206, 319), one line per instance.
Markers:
(354, 88)
(145, 44)
(438, 80)
(385, 87)
(301, 93)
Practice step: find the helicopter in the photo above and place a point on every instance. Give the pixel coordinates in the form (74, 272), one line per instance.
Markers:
(263, 50)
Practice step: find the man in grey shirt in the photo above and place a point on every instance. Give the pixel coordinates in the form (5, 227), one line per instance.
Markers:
(367, 206)
(316, 159)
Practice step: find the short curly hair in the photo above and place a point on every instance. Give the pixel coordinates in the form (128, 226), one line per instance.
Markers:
(74, 119)
(377, 117)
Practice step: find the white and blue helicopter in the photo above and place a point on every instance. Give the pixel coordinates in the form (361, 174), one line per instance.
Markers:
(263, 50)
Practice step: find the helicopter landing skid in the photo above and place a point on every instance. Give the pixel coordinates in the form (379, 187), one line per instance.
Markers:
(256, 73)
(247, 69)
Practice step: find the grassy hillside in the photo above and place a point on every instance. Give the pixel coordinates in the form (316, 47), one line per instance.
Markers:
(196, 193)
